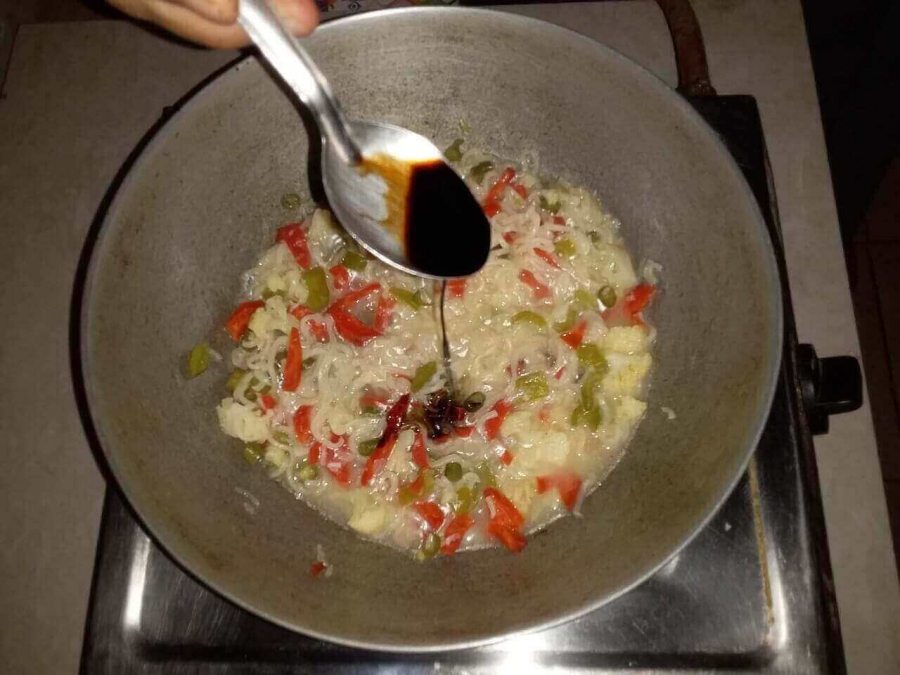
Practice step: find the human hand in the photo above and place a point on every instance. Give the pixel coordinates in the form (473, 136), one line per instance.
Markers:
(214, 22)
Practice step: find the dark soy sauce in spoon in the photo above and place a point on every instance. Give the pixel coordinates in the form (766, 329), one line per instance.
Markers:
(446, 230)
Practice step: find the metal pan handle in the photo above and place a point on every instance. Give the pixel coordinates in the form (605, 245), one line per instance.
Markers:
(690, 52)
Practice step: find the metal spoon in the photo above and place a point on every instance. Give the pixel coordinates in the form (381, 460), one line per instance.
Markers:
(389, 187)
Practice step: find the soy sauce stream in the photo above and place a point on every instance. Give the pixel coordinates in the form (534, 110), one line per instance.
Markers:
(444, 342)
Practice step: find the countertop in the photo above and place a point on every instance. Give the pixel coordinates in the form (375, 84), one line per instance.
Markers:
(77, 99)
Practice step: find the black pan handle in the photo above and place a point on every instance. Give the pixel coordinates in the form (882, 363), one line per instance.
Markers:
(828, 386)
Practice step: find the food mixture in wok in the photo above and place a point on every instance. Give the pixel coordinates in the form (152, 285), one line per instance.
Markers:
(339, 388)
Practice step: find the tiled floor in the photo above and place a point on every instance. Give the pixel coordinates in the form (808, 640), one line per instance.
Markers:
(874, 261)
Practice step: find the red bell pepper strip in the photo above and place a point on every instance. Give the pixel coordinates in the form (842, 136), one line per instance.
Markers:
(319, 331)
(353, 330)
(506, 521)
(418, 484)
(520, 190)
(317, 568)
(302, 419)
(510, 237)
(457, 287)
(395, 418)
(559, 220)
(464, 431)
(266, 402)
(626, 312)
(374, 398)
(639, 297)
(574, 336)
(492, 426)
(567, 483)
(350, 328)
(559, 373)
(347, 301)
(294, 237)
(240, 318)
(491, 204)
(507, 458)
(293, 364)
(337, 463)
(340, 277)
(510, 538)
(503, 511)
(547, 257)
(315, 454)
(383, 312)
(431, 513)
(300, 311)
(539, 290)
(455, 532)
(419, 455)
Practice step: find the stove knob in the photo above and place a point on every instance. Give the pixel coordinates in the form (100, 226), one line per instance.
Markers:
(828, 386)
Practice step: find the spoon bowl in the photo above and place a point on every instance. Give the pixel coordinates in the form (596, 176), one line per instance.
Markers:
(389, 187)
(405, 204)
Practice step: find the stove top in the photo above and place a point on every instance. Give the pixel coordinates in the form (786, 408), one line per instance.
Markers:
(751, 593)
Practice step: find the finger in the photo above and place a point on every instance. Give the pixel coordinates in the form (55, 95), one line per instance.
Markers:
(302, 16)
(224, 12)
(185, 23)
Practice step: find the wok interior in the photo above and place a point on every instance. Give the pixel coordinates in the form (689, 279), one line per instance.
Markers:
(203, 203)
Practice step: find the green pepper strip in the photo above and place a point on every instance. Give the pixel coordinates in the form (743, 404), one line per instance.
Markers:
(198, 361)
(533, 386)
(316, 282)
(453, 152)
(354, 261)
(423, 374)
(478, 171)
(527, 316)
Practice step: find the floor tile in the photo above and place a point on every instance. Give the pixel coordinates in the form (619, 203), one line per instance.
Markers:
(876, 362)
(882, 222)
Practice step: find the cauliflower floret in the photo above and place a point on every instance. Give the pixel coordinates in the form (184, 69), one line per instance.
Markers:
(626, 373)
(368, 518)
(629, 411)
(626, 339)
(400, 460)
(276, 456)
(297, 293)
(537, 449)
(274, 316)
(518, 423)
(613, 266)
(275, 283)
(240, 421)
(323, 234)
(520, 492)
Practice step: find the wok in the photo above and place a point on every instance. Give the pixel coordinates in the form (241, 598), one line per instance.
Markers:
(201, 203)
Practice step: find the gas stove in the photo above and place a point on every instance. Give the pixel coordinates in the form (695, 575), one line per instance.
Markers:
(752, 593)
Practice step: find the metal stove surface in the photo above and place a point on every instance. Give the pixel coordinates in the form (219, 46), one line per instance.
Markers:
(751, 593)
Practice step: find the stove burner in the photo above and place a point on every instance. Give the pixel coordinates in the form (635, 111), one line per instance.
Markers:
(751, 593)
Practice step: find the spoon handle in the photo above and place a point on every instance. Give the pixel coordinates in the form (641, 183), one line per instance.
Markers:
(284, 52)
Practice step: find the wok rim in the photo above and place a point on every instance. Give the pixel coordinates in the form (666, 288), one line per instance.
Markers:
(162, 132)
